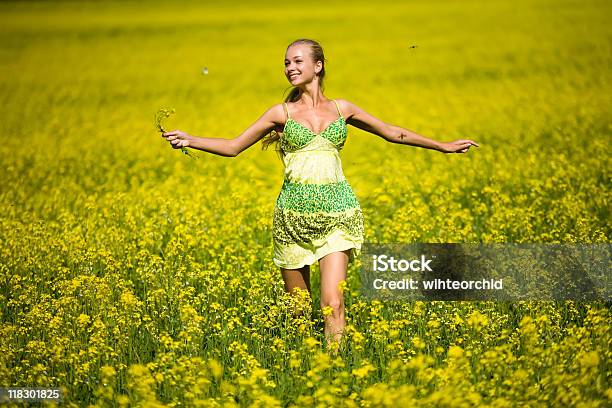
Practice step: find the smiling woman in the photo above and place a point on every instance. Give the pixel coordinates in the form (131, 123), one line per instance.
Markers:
(300, 53)
(317, 216)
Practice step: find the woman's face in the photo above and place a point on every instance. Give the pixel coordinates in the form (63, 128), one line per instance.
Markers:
(299, 67)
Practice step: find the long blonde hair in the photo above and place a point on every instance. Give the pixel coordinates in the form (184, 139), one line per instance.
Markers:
(316, 52)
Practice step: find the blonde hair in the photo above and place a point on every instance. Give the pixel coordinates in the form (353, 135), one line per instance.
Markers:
(316, 53)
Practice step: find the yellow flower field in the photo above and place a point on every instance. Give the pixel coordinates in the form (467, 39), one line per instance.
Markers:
(131, 275)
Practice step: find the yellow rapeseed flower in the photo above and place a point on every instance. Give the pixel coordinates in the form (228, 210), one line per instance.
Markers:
(433, 324)
(364, 370)
(327, 311)
(311, 342)
(455, 352)
(295, 361)
(107, 371)
(83, 320)
(590, 359)
(418, 343)
(477, 319)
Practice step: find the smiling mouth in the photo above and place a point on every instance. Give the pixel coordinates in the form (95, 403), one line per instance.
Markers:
(293, 76)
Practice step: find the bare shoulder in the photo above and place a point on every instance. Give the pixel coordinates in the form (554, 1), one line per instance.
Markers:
(358, 117)
(275, 114)
(348, 108)
(278, 112)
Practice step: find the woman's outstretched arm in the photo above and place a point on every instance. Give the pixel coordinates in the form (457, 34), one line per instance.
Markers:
(229, 147)
(361, 119)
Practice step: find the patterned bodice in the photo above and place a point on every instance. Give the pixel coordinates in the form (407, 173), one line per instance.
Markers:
(297, 137)
(311, 158)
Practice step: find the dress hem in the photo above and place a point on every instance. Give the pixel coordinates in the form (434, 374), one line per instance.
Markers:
(356, 249)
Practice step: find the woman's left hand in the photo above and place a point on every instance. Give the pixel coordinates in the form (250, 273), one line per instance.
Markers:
(458, 146)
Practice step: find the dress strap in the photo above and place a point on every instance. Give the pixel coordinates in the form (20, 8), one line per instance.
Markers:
(338, 107)
(286, 109)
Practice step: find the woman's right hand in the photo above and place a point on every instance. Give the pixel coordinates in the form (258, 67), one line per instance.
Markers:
(178, 138)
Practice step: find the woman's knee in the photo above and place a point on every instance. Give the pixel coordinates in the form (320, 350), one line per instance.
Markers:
(335, 302)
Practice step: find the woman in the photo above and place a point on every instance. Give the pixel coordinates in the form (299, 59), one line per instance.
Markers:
(317, 216)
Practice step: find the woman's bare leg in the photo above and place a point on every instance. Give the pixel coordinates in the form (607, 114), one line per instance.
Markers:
(333, 270)
(297, 279)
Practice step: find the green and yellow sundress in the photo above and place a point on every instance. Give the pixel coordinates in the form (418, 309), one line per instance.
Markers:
(316, 212)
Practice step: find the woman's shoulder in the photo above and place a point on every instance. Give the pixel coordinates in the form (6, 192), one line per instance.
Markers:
(275, 114)
(346, 106)
(278, 110)
(343, 102)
